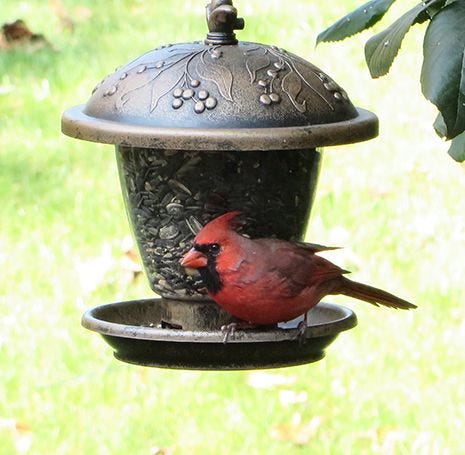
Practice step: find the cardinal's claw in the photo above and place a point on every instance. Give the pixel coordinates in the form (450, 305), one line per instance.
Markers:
(228, 330)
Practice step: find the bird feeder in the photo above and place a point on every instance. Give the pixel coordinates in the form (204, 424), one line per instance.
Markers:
(200, 129)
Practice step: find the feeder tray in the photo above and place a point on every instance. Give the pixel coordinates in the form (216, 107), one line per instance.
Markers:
(139, 332)
(200, 129)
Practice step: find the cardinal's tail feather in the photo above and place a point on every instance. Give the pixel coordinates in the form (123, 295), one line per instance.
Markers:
(372, 295)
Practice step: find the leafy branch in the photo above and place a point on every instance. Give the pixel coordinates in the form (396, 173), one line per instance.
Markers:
(443, 71)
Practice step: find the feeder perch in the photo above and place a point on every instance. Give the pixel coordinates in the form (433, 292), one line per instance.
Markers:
(200, 129)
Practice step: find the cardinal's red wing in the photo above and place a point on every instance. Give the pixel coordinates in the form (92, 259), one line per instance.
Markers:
(294, 267)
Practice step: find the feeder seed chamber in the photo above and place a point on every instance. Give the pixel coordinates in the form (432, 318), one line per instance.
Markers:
(200, 129)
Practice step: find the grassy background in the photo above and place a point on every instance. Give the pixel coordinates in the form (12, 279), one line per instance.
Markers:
(393, 385)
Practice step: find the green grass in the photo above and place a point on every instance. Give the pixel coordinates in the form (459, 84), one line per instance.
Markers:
(393, 385)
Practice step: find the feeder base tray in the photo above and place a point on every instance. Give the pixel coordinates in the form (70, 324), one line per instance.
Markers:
(148, 332)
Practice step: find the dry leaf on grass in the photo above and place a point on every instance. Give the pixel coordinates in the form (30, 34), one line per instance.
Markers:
(17, 34)
(297, 432)
(130, 261)
(62, 14)
(20, 432)
(161, 451)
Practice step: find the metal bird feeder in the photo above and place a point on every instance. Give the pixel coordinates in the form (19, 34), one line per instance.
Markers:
(200, 129)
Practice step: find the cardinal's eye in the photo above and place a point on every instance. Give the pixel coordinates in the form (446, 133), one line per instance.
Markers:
(214, 248)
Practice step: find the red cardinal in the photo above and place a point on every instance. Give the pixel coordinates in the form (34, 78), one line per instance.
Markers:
(266, 281)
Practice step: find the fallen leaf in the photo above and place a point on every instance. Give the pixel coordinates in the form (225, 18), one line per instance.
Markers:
(130, 262)
(17, 34)
(161, 451)
(62, 14)
(82, 13)
(131, 258)
(20, 433)
(297, 432)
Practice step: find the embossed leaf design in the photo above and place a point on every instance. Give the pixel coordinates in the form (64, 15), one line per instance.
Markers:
(159, 79)
(255, 63)
(160, 89)
(209, 70)
(297, 72)
(295, 65)
(292, 86)
(163, 82)
(126, 96)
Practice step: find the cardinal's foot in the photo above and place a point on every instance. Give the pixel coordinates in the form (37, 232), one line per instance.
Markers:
(230, 329)
(301, 330)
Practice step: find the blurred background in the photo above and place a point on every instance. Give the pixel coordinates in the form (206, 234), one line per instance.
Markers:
(393, 385)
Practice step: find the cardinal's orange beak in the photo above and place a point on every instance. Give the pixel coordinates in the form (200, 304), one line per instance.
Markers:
(194, 259)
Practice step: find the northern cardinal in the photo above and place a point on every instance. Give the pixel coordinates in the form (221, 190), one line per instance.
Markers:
(266, 281)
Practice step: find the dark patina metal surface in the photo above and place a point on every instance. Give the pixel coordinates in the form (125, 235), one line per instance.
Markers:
(141, 332)
(220, 94)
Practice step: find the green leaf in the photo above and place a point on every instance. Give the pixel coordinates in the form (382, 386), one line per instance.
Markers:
(439, 126)
(443, 71)
(358, 20)
(457, 148)
(382, 49)
(432, 10)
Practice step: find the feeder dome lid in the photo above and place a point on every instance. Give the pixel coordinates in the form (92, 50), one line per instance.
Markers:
(220, 94)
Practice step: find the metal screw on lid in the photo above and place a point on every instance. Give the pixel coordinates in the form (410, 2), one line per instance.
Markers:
(222, 21)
